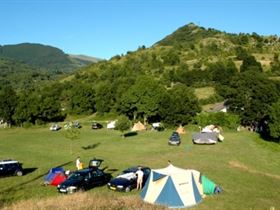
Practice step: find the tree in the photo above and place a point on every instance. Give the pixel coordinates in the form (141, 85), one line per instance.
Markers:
(123, 124)
(178, 105)
(222, 72)
(274, 120)
(8, 102)
(250, 64)
(250, 96)
(81, 99)
(105, 97)
(142, 99)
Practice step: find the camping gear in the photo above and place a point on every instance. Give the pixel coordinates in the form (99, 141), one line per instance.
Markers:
(58, 178)
(52, 172)
(173, 187)
(181, 130)
(205, 138)
(138, 126)
(174, 139)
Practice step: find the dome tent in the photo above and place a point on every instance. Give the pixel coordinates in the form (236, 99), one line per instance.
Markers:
(138, 126)
(173, 187)
(177, 188)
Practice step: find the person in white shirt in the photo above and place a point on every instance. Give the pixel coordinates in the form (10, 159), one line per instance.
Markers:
(78, 163)
(140, 174)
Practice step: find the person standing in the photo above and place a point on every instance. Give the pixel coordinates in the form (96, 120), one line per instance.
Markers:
(78, 163)
(140, 174)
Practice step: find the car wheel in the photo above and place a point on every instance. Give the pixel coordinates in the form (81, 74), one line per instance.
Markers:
(127, 189)
(82, 189)
(19, 173)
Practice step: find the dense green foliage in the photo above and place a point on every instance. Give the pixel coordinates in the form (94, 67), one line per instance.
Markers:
(157, 84)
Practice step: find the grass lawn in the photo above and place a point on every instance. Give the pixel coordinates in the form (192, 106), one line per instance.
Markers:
(247, 168)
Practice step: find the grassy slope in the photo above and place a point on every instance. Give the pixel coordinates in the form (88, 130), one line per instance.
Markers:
(248, 170)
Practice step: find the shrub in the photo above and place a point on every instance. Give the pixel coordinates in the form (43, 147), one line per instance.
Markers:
(226, 120)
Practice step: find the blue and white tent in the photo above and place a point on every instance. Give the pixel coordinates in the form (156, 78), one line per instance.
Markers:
(173, 187)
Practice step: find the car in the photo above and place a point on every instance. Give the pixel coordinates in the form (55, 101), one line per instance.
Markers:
(158, 126)
(127, 180)
(55, 127)
(96, 125)
(10, 168)
(174, 139)
(84, 179)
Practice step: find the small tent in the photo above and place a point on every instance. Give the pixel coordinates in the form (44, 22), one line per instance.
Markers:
(173, 187)
(138, 126)
(181, 130)
(58, 178)
(52, 172)
(111, 125)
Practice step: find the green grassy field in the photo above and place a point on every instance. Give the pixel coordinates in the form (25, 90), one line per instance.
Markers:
(247, 168)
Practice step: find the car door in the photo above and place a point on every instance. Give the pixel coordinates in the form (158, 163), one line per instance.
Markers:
(98, 177)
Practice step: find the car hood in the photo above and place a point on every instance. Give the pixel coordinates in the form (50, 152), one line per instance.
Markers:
(70, 182)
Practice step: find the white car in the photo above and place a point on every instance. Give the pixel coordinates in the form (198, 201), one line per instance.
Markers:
(55, 127)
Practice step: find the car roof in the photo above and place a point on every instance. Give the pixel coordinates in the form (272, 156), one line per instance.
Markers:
(86, 170)
(9, 161)
(135, 168)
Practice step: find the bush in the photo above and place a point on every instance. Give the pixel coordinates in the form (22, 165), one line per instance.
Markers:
(226, 120)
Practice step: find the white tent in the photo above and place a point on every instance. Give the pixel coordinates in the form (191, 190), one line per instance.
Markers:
(111, 125)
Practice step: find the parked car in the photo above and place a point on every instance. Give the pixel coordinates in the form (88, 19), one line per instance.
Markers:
(158, 126)
(96, 125)
(55, 127)
(10, 168)
(127, 180)
(84, 179)
(174, 139)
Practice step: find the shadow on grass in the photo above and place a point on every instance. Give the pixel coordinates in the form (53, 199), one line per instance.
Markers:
(8, 192)
(133, 133)
(91, 146)
(28, 170)
(112, 170)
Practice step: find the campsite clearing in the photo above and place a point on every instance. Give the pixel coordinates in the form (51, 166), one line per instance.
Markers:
(246, 168)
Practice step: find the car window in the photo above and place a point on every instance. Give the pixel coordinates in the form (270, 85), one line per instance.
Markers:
(88, 176)
(97, 173)
(75, 176)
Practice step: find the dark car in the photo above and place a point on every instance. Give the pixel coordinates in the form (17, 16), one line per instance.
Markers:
(10, 167)
(174, 139)
(127, 180)
(82, 180)
(96, 125)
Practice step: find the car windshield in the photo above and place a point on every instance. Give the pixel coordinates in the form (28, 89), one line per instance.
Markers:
(129, 170)
(76, 176)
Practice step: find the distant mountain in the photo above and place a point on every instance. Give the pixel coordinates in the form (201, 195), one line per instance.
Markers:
(85, 58)
(43, 56)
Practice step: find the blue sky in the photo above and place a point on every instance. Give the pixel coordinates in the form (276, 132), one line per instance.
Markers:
(104, 28)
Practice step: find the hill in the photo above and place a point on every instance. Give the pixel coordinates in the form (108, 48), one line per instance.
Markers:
(43, 56)
(21, 75)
